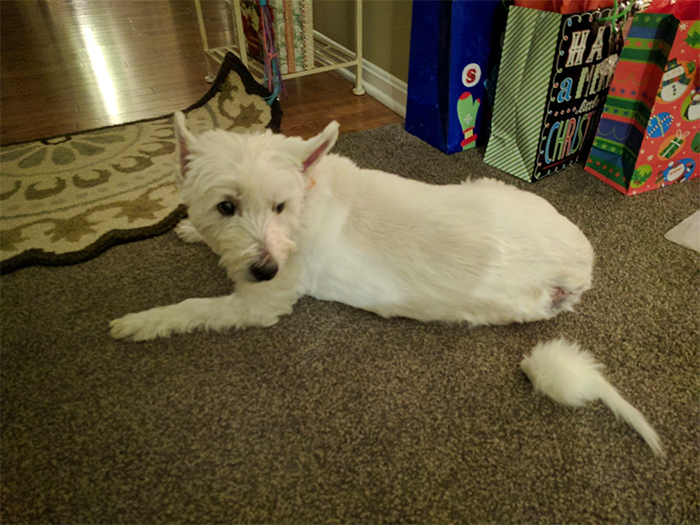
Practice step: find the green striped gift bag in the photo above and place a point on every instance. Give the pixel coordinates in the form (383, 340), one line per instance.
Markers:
(553, 79)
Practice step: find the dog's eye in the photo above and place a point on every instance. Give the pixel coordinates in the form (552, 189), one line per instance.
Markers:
(226, 208)
(279, 208)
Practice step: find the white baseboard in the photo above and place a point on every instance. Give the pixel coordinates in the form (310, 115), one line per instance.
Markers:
(378, 83)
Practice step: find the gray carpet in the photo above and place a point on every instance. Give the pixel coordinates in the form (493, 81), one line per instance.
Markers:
(336, 415)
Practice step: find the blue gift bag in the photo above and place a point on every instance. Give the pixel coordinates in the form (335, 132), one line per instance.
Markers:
(455, 45)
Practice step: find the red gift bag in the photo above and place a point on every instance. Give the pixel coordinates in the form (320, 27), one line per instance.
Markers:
(649, 133)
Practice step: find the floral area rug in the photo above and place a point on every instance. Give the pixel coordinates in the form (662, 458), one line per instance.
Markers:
(66, 199)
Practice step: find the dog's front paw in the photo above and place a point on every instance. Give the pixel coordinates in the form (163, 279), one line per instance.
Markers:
(135, 327)
(187, 232)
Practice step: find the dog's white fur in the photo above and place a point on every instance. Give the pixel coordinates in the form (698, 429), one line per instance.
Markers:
(482, 252)
(571, 376)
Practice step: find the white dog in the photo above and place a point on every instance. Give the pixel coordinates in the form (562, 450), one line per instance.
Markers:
(289, 219)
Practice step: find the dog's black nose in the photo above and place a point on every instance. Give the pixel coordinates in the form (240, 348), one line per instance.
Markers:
(264, 271)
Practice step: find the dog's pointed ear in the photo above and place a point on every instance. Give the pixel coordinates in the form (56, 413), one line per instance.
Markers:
(316, 147)
(184, 142)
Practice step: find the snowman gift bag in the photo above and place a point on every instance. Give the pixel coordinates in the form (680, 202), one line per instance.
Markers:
(554, 76)
(454, 53)
(649, 134)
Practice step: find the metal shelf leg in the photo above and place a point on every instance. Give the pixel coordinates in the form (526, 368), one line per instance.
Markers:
(203, 31)
(358, 89)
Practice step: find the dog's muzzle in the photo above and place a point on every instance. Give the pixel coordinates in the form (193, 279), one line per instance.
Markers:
(264, 270)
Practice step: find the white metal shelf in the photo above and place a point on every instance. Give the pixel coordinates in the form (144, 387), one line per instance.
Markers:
(327, 55)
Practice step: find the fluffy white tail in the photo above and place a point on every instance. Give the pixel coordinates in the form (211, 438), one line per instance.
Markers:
(571, 376)
(623, 410)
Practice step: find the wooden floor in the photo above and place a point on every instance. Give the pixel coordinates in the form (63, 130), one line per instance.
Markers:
(71, 65)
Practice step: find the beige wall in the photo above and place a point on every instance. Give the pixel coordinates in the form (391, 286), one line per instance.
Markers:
(386, 26)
